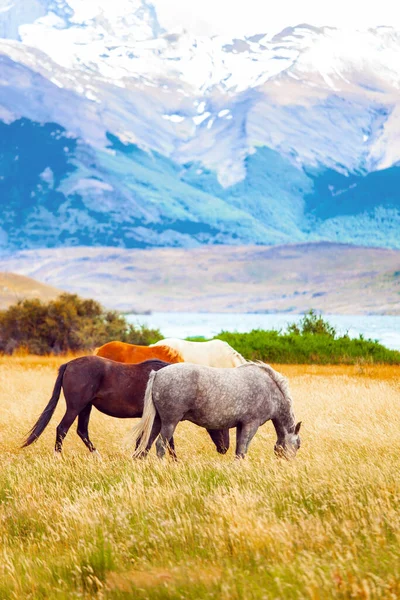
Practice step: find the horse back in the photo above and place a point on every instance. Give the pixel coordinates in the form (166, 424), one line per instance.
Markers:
(215, 398)
(114, 388)
(117, 351)
(165, 353)
(133, 354)
(213, 353)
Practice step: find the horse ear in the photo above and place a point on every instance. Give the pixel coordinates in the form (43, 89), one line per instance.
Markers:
(297, 428)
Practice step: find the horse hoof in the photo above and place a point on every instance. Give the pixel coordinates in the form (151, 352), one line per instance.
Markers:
(222, 450)
(140, 456)
(57, 455)
(97, 455)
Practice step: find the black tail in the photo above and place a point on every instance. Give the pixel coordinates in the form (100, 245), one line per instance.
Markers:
(46, 415)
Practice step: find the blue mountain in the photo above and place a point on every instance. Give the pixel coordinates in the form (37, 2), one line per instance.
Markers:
(116, 132)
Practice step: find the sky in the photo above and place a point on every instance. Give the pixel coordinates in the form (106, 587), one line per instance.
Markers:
(246, 17)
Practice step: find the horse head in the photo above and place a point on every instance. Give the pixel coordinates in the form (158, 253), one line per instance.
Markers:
(287, 447)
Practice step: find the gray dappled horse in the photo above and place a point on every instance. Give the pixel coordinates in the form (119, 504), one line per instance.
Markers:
(244, 397)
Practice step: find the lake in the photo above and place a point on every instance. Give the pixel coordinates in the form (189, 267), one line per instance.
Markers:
(386, 329)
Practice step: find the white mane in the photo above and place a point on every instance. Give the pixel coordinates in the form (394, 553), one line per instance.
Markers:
(234, 353)
(280, 380)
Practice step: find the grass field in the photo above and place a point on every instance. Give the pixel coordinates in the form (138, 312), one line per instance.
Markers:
(326, 525)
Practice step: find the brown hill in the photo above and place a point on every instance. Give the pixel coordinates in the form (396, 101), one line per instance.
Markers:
(332, 278)
(15, 287)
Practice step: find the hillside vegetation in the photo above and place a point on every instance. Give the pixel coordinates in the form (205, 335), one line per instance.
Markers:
(70, 324)
(326, 525)
(66, 324)
(312, 340)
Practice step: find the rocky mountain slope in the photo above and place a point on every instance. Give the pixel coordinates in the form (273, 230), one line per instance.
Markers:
(116, 132)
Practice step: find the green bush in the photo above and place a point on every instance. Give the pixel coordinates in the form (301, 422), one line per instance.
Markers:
(312, 340)
(67, 324)
(314, 324)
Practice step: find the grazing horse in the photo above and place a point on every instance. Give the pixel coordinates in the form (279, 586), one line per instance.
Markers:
(130, 353)
(113, 388)
(245, 398)
(214, 353)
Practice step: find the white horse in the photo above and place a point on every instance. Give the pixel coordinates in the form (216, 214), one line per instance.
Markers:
(214, 353)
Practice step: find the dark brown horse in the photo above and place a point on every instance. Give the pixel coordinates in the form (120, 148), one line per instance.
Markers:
(116, 389)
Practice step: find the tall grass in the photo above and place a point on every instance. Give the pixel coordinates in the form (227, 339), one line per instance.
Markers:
(326, 525)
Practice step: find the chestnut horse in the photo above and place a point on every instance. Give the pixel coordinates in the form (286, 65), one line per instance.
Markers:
(130, 353)
(113, 388)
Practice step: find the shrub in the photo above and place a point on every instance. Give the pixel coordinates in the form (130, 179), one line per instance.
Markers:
(312, 340)
(314, 324)
(67, 324)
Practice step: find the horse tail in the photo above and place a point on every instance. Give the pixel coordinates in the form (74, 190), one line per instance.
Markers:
(46, 415)
(141, 432)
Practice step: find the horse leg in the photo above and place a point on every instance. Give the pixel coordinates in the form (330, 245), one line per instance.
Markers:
(220, 437)
(171, 448)
(63, 427)
(154, 433)
(166, 433)
(83, 428)
(244, 434)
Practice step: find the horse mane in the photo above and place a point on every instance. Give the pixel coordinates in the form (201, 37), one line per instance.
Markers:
(171, 354)
(234, 352)
(280, 381)
(239, 356)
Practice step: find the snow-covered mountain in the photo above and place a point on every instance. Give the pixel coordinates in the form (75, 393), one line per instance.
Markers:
(114, 131)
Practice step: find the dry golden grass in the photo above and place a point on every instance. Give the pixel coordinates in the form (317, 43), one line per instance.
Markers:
(326, 525)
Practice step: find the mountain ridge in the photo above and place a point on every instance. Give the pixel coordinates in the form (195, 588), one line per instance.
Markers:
(331, 278)
(201, 140)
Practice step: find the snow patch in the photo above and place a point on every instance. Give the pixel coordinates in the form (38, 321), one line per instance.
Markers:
(175, 118)
(90, 184)
(200, 118)
(90, 96)
(5, 8)
(56, 82)
(6, 115)
(48, 176)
